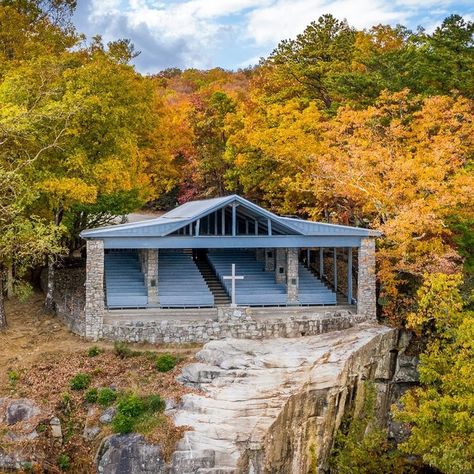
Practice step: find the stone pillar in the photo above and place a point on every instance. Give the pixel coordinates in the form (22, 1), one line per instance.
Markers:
(94, 307)
(292, 279)
(260, 255)
(269, 260)
(366, 279)
(151, 276)
(280, 266)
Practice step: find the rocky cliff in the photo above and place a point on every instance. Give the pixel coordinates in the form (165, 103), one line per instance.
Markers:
(272, 405)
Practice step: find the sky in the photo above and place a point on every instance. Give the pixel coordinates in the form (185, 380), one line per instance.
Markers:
(234, 34)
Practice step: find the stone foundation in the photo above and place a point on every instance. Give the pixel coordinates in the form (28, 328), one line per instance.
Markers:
(229, 325)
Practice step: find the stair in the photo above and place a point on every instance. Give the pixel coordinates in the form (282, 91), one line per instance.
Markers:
(258, 288)
(180, 284)
(124, 281)
(312, 291)
(220, 295)
(341, 299)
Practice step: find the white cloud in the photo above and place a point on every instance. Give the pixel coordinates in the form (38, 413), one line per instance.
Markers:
(191, 33)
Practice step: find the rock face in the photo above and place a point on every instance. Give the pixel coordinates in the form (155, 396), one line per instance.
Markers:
(129, 454)
(275, 405)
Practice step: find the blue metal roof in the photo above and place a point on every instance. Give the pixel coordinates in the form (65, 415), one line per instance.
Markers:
(194, 210)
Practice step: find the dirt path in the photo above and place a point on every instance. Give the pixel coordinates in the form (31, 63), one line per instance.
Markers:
(32, 334)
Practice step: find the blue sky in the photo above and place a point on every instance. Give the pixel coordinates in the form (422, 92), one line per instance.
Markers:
(235, 33)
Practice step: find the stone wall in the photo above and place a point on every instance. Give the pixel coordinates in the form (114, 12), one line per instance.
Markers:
(69, 297)
(243, 327)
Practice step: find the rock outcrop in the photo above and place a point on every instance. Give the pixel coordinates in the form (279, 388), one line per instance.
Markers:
(275, 405)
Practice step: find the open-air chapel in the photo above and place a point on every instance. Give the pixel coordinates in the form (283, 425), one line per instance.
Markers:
(221, 258)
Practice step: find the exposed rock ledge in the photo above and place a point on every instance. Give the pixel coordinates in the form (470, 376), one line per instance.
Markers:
(275, 405)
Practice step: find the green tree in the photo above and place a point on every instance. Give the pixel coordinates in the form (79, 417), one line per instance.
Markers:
(441, 411)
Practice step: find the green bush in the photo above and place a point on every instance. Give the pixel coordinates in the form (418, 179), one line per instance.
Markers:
(165, 362)
(91, 395)
(122, 424)
(122, 350)
(80, 381)
(64, 462)
(132, 410)
(106, 396)
(94, 351)
(154, 403)
(131, 405)
(13, 377)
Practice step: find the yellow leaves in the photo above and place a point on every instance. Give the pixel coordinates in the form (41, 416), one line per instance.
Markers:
(68, 191)
(439, 300)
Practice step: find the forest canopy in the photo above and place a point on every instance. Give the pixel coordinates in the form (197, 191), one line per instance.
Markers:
(372, 128)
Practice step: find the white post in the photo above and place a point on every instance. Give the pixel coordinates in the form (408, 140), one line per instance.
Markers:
(335, 269)
(233, 279)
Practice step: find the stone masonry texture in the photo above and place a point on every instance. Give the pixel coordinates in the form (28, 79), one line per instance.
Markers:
(292, 275)
(280, 263)
(366, 304)
(94, 306)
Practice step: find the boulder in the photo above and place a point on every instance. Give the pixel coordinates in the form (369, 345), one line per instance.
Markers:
(129, 454)
(108, 415)
(21, 411)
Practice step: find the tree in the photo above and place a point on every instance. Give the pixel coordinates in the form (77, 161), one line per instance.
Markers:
(441, 412)
(308, 65)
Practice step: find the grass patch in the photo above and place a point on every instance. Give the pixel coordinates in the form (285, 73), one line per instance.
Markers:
(94, 351)
(91, 395)
(165, 362)
(122, 350)
(80, 381)
(134, 412)
(106, 396)
(64, 462)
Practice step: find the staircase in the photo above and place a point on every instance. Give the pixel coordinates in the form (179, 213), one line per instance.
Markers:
(258, 288)
(180, 284)
(124, 281)
(312, 290)
(341, 299)
(220, 295)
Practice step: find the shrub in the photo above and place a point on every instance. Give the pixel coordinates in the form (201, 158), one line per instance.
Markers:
(91, 395)
(165, 362)
(154, 403)
(64, 462)
(133, 410)
(13, 377)
(94, 351)
(122, 424)
(106, 396)
(122, 350)
(80, 381)
(131, 405)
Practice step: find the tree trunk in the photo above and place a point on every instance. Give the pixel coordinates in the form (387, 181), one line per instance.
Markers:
(10, 280)
(48, 301)
(3, 315)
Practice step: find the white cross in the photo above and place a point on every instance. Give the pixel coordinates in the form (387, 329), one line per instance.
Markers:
(233, 278)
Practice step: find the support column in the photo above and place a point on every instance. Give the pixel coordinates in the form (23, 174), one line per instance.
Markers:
(366, 304)
(269, 260)
(280, 266)
(292, 279)
(321, 262)
(151, 276)
(349, 275)
(94, 307)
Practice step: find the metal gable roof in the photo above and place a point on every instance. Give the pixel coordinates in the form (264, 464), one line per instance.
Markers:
(193, 210)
